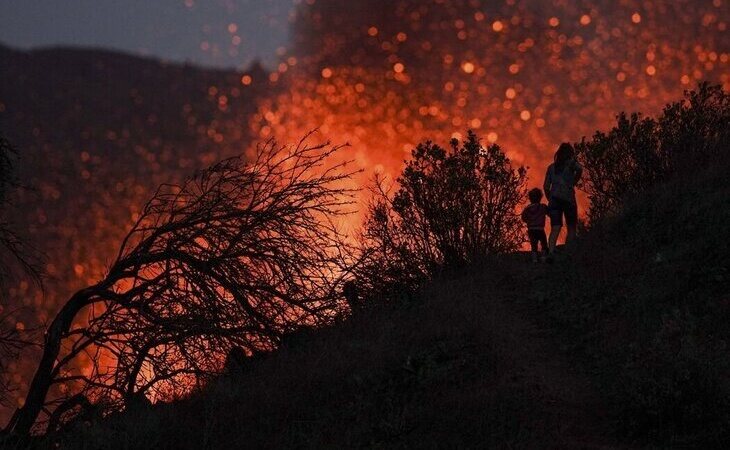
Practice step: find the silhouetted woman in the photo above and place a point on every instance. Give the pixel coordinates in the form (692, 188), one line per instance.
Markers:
(559, 187)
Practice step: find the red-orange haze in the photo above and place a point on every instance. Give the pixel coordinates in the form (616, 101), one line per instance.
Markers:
(524, 74)
(527, 74)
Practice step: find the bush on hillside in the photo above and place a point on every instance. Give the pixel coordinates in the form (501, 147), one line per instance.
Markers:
(451, 207)
(619, 163)
(694, 133)
(640, 152)
(645, 299)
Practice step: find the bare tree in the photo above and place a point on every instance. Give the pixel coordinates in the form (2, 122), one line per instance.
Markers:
(12, 342)
(14, 252)
(234, 257)
(17, 258)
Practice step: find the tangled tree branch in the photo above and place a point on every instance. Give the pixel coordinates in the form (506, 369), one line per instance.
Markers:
(234, 257)
(16, 257)
(14, 252)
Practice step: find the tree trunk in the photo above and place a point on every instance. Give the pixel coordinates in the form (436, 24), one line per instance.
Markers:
(26, 416)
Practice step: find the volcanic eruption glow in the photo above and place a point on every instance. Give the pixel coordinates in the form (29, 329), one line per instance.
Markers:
(527, 75)
(384, 76)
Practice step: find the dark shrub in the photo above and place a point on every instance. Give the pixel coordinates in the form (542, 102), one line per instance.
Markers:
(694, 133)
(619, 163)
(452, 206)
(640, 152)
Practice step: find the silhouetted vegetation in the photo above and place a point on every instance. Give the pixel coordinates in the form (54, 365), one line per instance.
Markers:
(644, 304)
(16, 256)
(12, 342)
(643, 298)
(237, 256)
(624, 344)
(96, 133)
(14, 252)
(452, 207)
(640, 152)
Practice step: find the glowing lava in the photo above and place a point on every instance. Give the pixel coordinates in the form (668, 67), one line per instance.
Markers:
(527, 75)
(381, 76)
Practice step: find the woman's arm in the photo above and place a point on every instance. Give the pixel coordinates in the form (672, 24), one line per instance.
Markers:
(578, 172)
(548, 183)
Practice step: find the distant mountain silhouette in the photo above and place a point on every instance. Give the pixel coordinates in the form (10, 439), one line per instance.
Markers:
(96, 131)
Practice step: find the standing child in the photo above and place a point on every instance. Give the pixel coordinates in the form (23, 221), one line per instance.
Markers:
(534, 216)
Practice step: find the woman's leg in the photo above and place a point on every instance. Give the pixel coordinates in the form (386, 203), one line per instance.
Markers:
(553, 239)
(543, 242)
(571, 221)
(555, 211)
(571, 234)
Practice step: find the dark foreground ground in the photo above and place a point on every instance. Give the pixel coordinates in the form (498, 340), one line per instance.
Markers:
(621, 343)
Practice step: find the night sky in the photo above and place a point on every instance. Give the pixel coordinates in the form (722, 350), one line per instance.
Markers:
(199, 31)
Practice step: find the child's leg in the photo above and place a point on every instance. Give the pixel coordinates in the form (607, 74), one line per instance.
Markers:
(534, 239)
(543, 242)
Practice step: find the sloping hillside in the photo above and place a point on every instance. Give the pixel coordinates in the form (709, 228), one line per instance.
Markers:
(466, 370)
(619, 344)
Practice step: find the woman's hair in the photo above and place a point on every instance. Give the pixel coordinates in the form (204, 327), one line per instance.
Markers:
(563, 155)
(535, 195)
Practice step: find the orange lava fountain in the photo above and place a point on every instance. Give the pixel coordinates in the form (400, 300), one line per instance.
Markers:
(525, 74)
